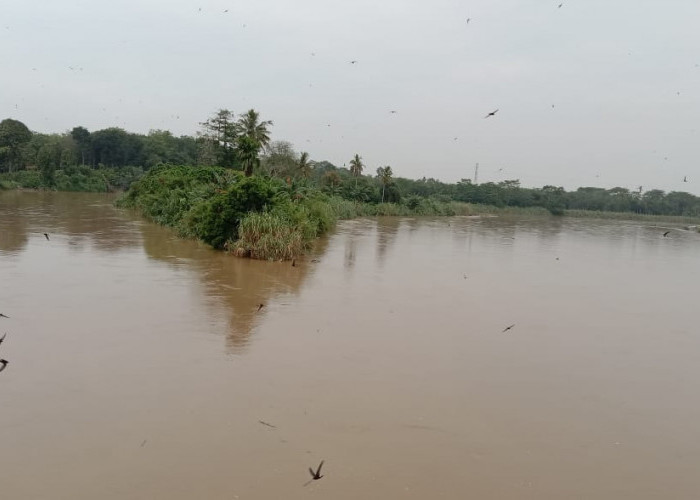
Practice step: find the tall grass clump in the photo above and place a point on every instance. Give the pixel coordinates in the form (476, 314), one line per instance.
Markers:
(283, 232)
(269, 236)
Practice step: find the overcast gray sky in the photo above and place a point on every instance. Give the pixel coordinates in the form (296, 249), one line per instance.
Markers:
(595, 93)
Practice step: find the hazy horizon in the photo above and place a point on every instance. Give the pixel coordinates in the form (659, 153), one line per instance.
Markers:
(589, 94)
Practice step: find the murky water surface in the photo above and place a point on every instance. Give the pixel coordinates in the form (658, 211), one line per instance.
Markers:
(141, 368)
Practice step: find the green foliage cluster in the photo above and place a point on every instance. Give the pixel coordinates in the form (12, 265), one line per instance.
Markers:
(73, 178)
(284, 231)
(207, 203)
(260, 217)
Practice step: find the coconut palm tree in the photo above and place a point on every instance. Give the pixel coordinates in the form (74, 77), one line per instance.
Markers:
(305, 165)
(356, 167)
(247, 152)
(249, 125)
(384, 174)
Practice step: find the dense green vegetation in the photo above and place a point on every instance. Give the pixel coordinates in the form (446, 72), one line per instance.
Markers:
(111, 159)
(258, 216)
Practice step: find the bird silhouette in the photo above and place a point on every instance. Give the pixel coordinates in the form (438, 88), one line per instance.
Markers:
(508, 328)
(666, 233)
(492, 113)
(4, 365)
(3, 338)
(685, 178)
(393, 112)
(260, 306)
(3, 316)
(469, 19)
(47, 236)
(559, 6)
(353, 61)
(316, 475)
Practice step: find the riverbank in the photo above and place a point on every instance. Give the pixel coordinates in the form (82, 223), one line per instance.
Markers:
(75, 178)
(673, 219)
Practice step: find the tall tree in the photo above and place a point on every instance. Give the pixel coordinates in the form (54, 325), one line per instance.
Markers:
(218, 139)
(384, 175)
(248, 150)
(13, 136)
(356, 167)
(280, 159)
(114, 147)
(305, 165)
(249, 125)
(81, 136)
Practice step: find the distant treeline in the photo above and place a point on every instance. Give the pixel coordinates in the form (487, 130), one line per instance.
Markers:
(112, 158)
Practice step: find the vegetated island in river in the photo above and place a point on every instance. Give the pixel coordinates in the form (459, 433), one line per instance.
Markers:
(262, 217)
(265, 200)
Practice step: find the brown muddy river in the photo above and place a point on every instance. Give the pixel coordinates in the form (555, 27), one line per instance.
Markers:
(141, 369)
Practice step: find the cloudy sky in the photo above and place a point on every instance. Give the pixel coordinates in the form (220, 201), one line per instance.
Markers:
(592, 93)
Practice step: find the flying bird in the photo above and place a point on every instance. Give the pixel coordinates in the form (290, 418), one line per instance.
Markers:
(316, 475)
(666, 233)
(393, 112)
(508, 328)
(3, 316)
(226, 11)
(260, 306)
(559, 6)
(3, 338)
(685, 178)
(492, 113)
(47, 236)
(354, 61)
(4, 365)
(266, 424)
(469, 19)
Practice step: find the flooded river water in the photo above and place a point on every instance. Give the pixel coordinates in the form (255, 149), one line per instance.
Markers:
(140, 367)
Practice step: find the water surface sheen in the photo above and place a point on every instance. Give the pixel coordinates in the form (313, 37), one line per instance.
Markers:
(140, 367)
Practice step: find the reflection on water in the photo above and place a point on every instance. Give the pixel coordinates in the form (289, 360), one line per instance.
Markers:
(236, 286)
(140, 367)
